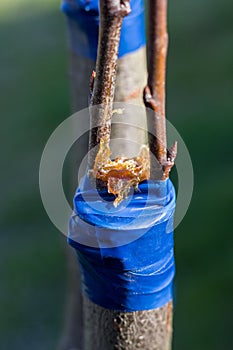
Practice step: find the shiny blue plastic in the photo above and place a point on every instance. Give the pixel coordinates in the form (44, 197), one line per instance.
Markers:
(85, 15)
(125, 253)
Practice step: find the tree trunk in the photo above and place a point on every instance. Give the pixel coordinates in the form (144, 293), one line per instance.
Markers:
(89, 326)
(140, 330)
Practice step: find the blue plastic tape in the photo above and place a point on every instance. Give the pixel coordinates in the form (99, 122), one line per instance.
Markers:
(84, 15)
(125, 253)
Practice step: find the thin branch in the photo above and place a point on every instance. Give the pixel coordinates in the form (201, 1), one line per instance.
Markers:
(111, 16)
(119, 175)
(154, 92)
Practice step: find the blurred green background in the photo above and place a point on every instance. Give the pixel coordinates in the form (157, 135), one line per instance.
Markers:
(35, 99)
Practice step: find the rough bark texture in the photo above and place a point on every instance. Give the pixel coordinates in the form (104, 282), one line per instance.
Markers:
(141, 330)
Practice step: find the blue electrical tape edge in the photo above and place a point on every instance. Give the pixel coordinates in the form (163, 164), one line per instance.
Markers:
(84, 27)
(128, 289)
(130, 302)
(109, 298)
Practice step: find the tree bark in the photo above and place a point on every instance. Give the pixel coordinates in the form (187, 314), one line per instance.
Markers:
(140, 330)
(155, 91)
(89, 326)
(129, 87)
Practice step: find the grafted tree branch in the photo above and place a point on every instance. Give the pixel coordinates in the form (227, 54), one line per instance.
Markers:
(155, 91)
(153, 329)
(111, 16)
(123, 173)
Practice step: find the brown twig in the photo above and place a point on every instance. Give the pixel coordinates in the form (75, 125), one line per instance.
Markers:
(123, 173)
(154, 92)
(111, 15)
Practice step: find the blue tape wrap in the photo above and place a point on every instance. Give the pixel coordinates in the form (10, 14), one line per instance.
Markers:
(125, 253)
(84, 14)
